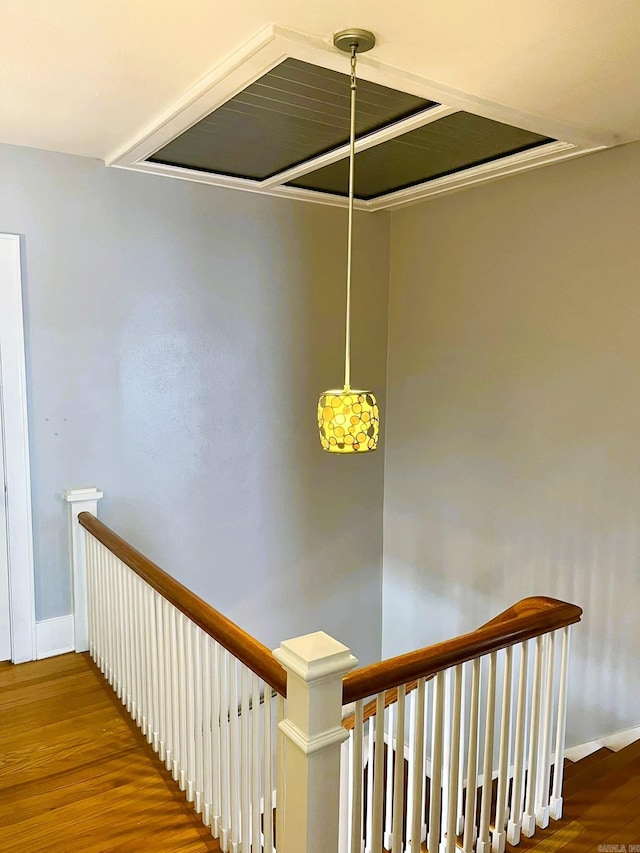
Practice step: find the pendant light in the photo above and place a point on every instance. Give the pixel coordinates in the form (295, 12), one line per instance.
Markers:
(349, 419)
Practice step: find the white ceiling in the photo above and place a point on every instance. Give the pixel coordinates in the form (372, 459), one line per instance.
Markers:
(86, 76)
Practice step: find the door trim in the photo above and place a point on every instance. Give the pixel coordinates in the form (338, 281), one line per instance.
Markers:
(15, 435)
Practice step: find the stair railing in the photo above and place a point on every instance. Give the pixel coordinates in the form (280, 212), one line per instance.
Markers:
(207, 695)
(453, 747)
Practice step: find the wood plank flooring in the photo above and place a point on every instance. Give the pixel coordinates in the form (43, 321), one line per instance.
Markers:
(601, 807)
(76, 774)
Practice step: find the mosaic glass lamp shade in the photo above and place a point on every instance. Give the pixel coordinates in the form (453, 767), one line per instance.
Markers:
(348, 420)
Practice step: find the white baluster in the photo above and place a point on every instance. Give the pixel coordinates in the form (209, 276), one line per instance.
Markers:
(182, 694)
(245, 765)
(415, 815)
(142, 664)
(446, 761)
(461, 756)
(529, 818)
(207, 732)
(101, 610)
(129, 614)
(484, 845)
(126, 637)
(433, 836)
(257, 758)
(544, 759)
(356, 781)
(234, 755)
(398, 777)
(216, 741)
(515, 820)
(163, 689)
(153, 734)
(190, 722)
(168, 687)
(135, 657)
(411, 761)
(472, 762)
(378, 776)
(120, 570)
(89, 549)
(115, 626)
(148, 634)
(426, 728)
(225, 771)
(344, 821)
(370, 784)
(281, 835)
(452, 816)
(268, 778)
(111, 619)
(198, 721)
(177, 710)
(389, 786)
(499, 836)
(558, 767)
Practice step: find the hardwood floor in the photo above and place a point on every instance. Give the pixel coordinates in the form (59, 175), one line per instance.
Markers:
(75, 772)
(601, 806)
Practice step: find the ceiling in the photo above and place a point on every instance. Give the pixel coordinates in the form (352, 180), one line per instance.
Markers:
(92, 78)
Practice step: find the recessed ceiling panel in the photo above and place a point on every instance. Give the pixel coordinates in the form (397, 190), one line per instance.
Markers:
(293, 113)
(448, 145)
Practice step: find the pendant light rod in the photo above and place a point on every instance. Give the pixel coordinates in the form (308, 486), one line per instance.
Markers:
(353, 41)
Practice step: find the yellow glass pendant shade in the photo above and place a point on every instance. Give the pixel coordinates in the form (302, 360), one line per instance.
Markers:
(348, 420)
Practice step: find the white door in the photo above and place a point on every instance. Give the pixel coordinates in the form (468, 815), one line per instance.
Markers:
(5, 635)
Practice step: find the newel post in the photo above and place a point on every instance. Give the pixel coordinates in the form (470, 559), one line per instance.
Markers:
(80, 500)
(312, 731)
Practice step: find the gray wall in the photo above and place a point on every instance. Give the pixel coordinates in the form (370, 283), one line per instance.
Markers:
(513, 425)
(177, 339)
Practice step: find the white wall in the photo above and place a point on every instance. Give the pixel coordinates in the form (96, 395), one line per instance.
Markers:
(513, 424)
(178, 337)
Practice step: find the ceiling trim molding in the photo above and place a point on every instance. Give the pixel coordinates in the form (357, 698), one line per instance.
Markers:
(534, 158)
(361, 144)
(274, 44)
(244, 184)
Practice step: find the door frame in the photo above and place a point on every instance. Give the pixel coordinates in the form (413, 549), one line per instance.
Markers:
(15, 435)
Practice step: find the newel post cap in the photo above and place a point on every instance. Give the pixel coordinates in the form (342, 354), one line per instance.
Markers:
(74, 495)
(314, 657)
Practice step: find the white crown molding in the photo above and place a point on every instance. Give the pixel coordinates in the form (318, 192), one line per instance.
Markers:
(271, 46)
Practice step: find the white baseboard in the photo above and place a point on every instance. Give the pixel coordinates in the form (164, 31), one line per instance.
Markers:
(615, 742)
(54, 636)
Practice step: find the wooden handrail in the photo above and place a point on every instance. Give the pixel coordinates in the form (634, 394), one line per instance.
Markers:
(242, 646)
(527, 619)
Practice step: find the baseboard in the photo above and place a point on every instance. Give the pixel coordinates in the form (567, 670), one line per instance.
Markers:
(615, 742)
(54, 636)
